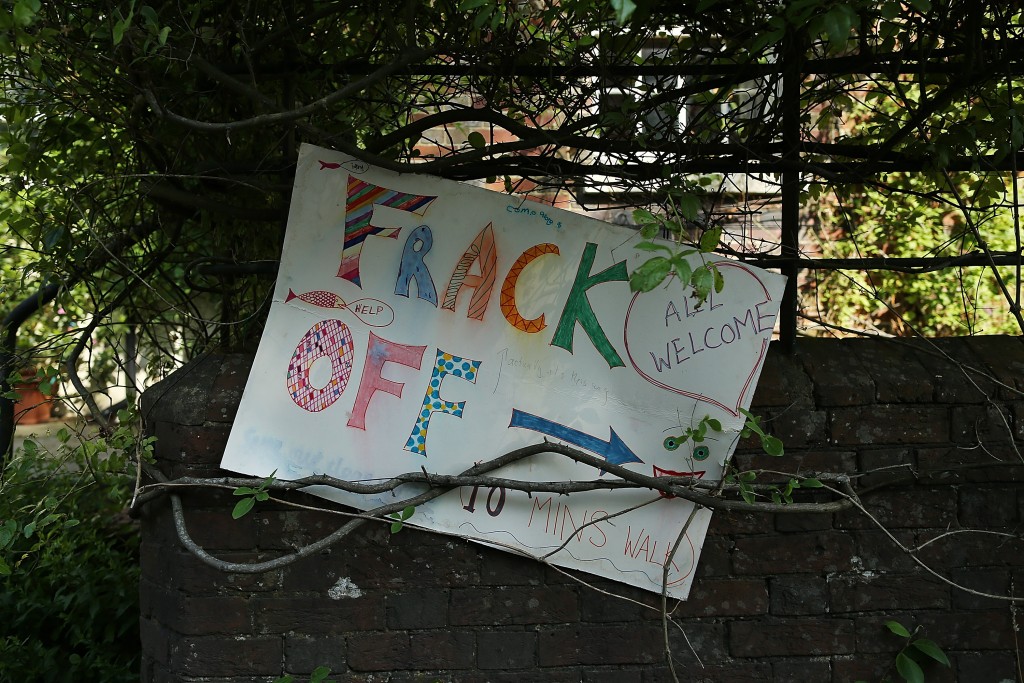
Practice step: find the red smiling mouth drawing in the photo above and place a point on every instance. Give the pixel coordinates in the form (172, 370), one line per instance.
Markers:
(661, 472)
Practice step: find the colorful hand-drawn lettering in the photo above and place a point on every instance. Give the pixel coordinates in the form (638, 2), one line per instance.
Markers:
(329, 339)
(444, 364)
(578, 309)
(508, 289)
(483, 252)
(413, 267)
(362, 197)
(378, 352)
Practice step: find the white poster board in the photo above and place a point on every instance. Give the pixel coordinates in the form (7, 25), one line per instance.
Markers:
(420, 323)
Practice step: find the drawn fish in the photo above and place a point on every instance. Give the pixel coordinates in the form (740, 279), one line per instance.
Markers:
(318, 297)
(372, 312)
(328, 164)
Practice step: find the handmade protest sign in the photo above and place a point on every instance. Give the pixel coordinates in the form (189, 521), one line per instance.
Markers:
(419, 323)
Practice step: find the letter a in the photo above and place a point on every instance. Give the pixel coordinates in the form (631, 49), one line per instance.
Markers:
(482, 251)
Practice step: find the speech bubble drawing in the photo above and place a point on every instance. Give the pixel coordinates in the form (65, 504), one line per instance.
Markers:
(709, 353)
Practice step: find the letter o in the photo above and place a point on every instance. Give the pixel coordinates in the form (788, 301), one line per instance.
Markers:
(721, 333)
(329, 339)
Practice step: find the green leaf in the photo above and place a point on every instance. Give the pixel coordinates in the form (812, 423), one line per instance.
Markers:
(931, 649)
(682, 268)
(288, 678)
(467, 5)
(476, 140)
(747, 477)
(243, 491)
(243, 507)
(396, 527)
(811, 483)
(652, 246)
(909, 669)
(714, 424)
(897, 628)
(702, 281)
(710, 239)
(650, 274)
(407, 512)
(5, 570)
(644, 217)
(118, 32)
(772, 445)
(29, 529)
(319, 674)
(25, 11)
(623, 10)
(689, 205)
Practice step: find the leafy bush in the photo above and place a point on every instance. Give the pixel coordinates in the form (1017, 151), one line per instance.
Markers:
(68, 567)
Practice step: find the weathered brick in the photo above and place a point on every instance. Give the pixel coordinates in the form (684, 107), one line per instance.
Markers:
(514, 605)
(817, 669)
(995, 582)
(891, 423)
(710, 672)
(986, 667)
(798, 553)
(304, 654)
(316, 614)
(783, 381)
(634, 644)
(505, 569)
(946, 361)
(1003, 357)
(798, 594)
(441, 650)
(725, 597)
(156, 640)
(801, 636)
(417, 609)
(226, 655)
(988, 424)
(903, 507)
(838, 379)
(506, 649)
(989, 506)
(191, 444)
(214, 529)
(199, 615)
(383, 651)
(869, 592)
(896, 371)
(616, 675)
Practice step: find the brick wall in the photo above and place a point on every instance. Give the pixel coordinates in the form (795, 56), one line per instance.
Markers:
(777, 597)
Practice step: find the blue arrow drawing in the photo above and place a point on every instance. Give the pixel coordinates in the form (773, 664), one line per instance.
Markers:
(614, 450)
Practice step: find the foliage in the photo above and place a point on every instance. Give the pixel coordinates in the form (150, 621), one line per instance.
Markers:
(68, 564)
(915, 653)
(319, 675)
(251, 496)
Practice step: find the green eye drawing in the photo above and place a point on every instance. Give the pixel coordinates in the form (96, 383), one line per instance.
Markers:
(671, 443)
(701, 453)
